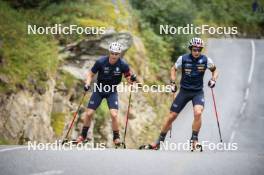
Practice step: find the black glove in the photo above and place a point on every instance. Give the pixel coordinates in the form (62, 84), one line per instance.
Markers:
(133, 77)
(86, 87)
(173, 86)
(211, 83)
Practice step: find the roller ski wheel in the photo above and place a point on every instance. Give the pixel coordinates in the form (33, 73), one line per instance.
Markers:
(120, 146)
(195, 146)
(149, 147)
(64, 141)
(67, 142)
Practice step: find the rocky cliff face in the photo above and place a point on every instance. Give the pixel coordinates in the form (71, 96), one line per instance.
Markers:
(81, 56)
(26, 116)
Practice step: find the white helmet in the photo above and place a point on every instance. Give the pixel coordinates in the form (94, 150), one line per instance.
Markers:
(196, 42)
(115, 47)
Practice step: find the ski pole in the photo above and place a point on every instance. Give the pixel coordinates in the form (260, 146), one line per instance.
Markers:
(127, 114)
(133, 78)
(74, 116)
(173, 96)
(216, 114)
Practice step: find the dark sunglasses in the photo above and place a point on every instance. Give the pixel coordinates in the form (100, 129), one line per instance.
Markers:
(113, 53)
(197, 49)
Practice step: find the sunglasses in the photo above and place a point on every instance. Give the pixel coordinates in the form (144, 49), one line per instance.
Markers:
(113, 53)
(197, 49)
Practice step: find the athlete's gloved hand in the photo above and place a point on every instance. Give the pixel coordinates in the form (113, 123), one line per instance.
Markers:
(86, 87)
(133, 78)
(173, 86)
(211, 83)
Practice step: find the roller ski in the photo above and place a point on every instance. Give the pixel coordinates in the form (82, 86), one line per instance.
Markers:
(79, 140)
(156, 144)
(118, 144)
(149, 147)
(195, 146)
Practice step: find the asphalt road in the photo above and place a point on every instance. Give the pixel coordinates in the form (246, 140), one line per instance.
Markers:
(241, 112)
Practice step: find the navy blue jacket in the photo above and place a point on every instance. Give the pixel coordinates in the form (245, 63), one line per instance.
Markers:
(109, 74)
(193, 70)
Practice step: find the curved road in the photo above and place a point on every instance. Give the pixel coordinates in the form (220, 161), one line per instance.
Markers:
(240, 104)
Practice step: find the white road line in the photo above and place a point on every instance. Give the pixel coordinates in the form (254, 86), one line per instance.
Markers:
(252, 62)
(246, 94)
(242, 108)
(232, 136)
(51, 172)
(244, 104)
(13, 148)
